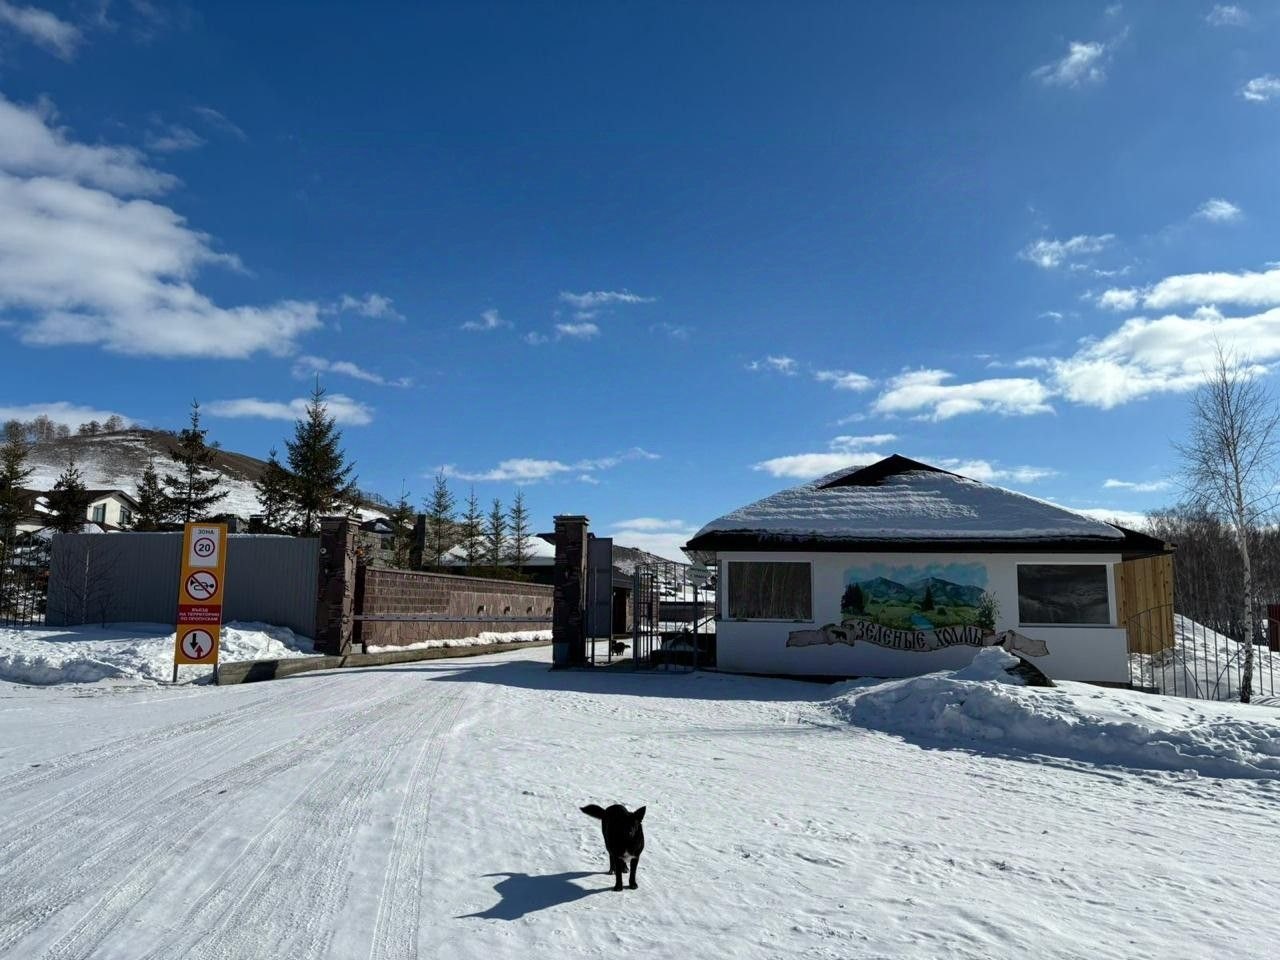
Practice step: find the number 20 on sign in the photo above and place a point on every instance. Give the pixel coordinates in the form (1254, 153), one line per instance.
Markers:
(200, 586)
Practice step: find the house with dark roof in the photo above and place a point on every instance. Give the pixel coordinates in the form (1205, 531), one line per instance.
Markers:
(901, 568)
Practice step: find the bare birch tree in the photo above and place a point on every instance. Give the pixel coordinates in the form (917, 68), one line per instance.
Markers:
(1229, 464)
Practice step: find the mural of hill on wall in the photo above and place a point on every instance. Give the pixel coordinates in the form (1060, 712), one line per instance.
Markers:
(912, 597)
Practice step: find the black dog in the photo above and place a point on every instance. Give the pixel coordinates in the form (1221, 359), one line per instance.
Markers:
(623, 838)
(619, 647)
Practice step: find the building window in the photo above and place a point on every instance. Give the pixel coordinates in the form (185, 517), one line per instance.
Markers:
(126, 516)
(770, 591)
(1066, 593)
(99, 513)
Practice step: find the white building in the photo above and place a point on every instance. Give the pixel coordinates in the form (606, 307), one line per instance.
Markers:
(900, 568)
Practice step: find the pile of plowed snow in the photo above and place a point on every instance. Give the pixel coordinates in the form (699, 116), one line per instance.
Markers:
(128, 652)
(982, 705)
(480, 640)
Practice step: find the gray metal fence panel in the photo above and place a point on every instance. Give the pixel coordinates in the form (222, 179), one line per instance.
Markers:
(133, 577)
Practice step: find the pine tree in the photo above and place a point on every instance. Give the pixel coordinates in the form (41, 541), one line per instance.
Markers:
(495, 536)
(442, 525)
(69, 501)
(518, 519)
(322, 480)
(196, 488)
(154, 510)
(14, 474)
(401, 518)
(472, 531)
(273, 491)
(927, 603)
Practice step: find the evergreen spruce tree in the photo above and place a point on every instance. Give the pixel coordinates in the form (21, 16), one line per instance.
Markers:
(518, 520)
(927, 603)
(495, 536)
(69, 501)
(195, 489)
(401, 518)
(154, 510)
(14, 474)
(322, 480)
(472, 531)
(442, 525)
(273, 489)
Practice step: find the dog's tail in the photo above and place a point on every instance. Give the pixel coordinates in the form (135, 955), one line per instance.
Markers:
(591, 810)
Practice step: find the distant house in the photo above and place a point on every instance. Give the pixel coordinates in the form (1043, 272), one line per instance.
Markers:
(109, 511)
(901, 568)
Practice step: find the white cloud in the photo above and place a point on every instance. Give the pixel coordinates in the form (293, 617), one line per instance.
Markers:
(783, 365)
(600, 298)
(219, 121)
(1261, 89)
(844, 380)
(342, 408)
(985, 471)
(309, 366)
(665, 541)
(172, 138)
(1227, 15)
(31, 146)
(1082, 64)
(926, 394)
(1217, 210)
(842, 452)
(1049, 254)
(1191, 289)
(1125, 518)
(60, 411)
(372, 305)
(582, 331)
(533, 338)
(533, 470)
(489, 320)
(672, 330)
(1143, 486)
(1118, 299)
(88, 265)
(42, 28)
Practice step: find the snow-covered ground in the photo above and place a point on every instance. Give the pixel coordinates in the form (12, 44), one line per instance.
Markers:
(482, 639)
(1206, 665)
(130, 652)
(431, 810)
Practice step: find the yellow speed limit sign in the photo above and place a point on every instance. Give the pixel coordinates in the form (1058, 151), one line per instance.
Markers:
(200, 586)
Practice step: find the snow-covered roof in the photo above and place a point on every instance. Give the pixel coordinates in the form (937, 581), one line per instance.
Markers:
(898, 499)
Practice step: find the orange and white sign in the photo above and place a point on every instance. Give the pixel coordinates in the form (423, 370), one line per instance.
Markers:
(204, 561)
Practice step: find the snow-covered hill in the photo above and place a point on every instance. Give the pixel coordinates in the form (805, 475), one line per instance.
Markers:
(115, 461)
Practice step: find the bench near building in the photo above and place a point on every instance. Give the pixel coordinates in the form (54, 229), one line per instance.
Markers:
(901, 568)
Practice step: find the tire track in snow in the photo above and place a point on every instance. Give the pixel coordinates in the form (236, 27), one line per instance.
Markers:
(247, 911)
(396, 925)
(155, 818)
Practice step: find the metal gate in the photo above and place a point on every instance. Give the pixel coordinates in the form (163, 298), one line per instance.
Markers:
(673, 611)
(24, 581)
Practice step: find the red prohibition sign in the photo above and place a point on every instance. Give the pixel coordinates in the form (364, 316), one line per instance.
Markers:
(201, 585)
(197, 644)
(204, 547)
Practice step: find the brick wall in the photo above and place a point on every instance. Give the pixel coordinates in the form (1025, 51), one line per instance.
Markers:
(382, 591)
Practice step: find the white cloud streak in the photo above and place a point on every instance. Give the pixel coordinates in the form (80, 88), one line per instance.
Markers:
(927, 395)
(91, 265)
(342, 408)
(784, 365)
(1083, 63)
(844, 380)
(600, 298)
(60, 411)
(1144, 486)
(308, 366)
(534, 470)
(42, 28)
(1217, 210)
(580, 331)
(173, 138)
(372, 305)
(489, 320)
(1050, 254)
(841, 452)
(1227, 15)
(1261, 89)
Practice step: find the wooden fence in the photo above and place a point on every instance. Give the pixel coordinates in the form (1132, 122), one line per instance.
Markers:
(1144, 594)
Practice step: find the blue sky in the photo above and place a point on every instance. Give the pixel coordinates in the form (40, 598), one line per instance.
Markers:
(650, 262)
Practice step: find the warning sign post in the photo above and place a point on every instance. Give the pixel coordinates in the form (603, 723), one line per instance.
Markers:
(204, 561)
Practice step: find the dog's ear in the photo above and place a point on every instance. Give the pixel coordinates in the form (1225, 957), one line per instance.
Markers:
(592, 810)
(638, 815)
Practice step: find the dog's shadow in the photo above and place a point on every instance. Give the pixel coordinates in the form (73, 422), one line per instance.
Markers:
(523, 894)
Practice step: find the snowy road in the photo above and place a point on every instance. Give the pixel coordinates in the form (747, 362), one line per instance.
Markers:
(430, 810)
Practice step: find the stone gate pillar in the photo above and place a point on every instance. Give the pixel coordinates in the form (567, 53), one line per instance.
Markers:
(336, 588)
(569, 616)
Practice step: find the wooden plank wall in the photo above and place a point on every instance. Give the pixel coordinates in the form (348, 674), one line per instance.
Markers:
(1144, 595)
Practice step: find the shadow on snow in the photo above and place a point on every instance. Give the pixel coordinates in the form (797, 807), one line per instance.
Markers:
(523, 894)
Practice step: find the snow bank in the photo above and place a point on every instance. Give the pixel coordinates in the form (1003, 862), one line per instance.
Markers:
(129, 652)
(983, 706)
(514, 636)
(1206, 665)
